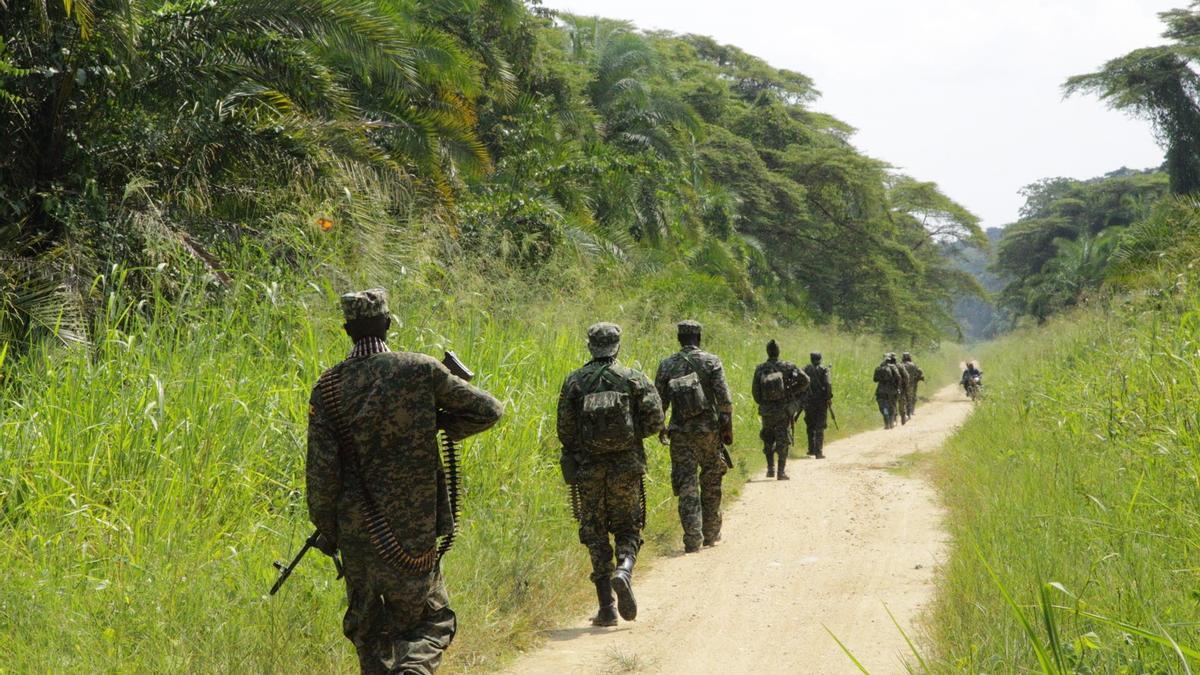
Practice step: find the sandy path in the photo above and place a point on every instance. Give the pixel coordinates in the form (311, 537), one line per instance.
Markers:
(830, 547)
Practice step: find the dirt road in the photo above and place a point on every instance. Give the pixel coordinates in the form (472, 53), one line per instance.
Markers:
(830, 548)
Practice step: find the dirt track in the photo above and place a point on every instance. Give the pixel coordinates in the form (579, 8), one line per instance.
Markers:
(830, 548)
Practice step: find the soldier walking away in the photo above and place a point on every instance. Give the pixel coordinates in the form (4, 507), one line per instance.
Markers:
(901, 406)
(778, 390)
(817, 404)
(887, 390)
(604, 412)
(915, 376)
(692, 385)
(378, 492)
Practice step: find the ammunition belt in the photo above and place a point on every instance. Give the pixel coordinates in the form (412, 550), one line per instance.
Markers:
(379, 530)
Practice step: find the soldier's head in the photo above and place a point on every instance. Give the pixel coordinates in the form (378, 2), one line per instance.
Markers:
(906, 357)
(772, 350)
(604, 340)
(366, 314)
(815, 357)
(890, 357)
(688, 332)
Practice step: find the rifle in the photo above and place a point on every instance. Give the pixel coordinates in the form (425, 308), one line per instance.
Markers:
(459, 369)
(833, 416)
(285, 572)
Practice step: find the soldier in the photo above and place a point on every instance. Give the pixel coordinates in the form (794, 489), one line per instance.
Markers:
(778, 390)
(915, 376)
(887, 388)
(817, 404)
(901, 405)
(693, 383)
(604, 412)
(377, 491)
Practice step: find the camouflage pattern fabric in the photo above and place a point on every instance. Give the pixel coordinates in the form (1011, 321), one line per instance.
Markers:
(712, 377)
(901, 400)
(915, 376)
(397, 623)
(391, 402)
(699, 500)
(364, 304)
(887, 392)
(816, 406)
(609, 484)
(778, 416)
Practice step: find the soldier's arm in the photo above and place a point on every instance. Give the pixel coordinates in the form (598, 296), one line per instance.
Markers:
(803, 378)
(721, 388)
(464, 410)
(828, 385)
(568, 420)
(661, 381)
(649, 408)
(322, 470)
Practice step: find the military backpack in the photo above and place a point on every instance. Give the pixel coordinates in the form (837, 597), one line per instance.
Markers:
(687, 393)
(774, 387)
(606, 423)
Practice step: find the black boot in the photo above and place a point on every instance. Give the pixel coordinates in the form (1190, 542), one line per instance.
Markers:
(622, 583)
(607, 616)
(782, 473)
(770, 464)
(812, 440)
(820, 443)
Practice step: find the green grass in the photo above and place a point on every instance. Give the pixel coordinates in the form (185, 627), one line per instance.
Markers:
(1074, 494)
(147, 482)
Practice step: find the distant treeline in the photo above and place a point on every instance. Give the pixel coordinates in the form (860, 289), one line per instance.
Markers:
(255, 135)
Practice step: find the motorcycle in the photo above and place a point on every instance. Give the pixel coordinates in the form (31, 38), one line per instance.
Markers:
(974, 387)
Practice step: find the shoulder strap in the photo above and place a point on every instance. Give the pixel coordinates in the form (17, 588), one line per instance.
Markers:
(379, 530)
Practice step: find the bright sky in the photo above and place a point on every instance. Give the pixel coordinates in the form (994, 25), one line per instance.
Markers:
(962, 92)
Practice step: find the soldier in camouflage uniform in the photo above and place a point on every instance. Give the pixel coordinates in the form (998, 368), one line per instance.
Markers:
(887, 390)
(817, 404)
(778, 389)
(915, 376)
(693, 382)
(902, 391)
(604, 412)
(386, 409)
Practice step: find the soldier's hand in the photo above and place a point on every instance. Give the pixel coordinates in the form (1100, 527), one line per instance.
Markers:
(664, 437)
(326, 545)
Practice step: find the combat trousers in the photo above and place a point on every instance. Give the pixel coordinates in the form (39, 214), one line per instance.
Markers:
(776, 437)
(902, 405)
(610, 502)
(912, 401)
(887, 408)
(699, 501)
(398, 623)
(815, 421)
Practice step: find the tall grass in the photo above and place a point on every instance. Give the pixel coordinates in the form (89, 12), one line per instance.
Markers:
(1074, 494)
(147, 481)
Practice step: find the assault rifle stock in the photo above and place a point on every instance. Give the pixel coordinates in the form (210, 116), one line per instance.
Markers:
(286, 571)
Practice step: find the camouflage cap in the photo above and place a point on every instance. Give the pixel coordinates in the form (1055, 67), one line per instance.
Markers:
(815, 357)
(906, 356)
(365, 304)
(604, 339)
(688, 327)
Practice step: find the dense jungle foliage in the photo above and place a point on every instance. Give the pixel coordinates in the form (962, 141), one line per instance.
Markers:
(440, 136)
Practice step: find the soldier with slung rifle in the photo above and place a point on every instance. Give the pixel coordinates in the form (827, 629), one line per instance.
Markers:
(378, 491)
(604, 412)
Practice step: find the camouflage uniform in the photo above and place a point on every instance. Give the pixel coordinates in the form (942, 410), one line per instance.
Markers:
(816, 405)
(915, 376)
(696, 443)
(887, 392)
(901, 391)
(778, 417)
(393, 404)
(609, 484)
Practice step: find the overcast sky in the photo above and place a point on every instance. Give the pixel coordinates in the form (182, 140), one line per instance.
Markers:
(962, 92)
